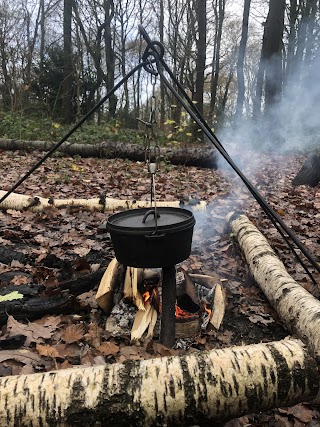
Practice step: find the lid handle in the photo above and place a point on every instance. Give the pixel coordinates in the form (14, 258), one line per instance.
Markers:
(150, 212)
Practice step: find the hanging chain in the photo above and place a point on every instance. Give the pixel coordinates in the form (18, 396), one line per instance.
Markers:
(151, 144)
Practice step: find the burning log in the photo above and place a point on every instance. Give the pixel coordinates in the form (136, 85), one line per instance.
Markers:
(296, 307)
(182, 390)
(22, 202)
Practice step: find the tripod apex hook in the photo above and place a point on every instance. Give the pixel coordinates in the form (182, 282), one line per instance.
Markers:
(153, 50)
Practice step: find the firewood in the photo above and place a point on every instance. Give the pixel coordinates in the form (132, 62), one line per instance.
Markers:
(152, 323)
(219, 306)
(132, 278)
(142, 321)
(204, 280)
(110, 281)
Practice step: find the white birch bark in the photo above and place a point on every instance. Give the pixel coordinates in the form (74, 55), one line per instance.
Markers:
(185, 390)
(296, 307)
(22, 202)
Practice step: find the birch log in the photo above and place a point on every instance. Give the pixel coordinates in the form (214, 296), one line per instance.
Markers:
(21, 202)
(179, 390)
(296, 307)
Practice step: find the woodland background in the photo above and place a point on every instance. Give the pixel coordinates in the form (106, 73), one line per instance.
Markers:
(249, 65)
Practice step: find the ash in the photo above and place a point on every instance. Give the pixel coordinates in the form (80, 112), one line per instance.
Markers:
(121, 318)
(183, 344)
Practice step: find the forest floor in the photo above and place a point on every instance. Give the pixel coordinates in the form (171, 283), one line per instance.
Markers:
(59, 244)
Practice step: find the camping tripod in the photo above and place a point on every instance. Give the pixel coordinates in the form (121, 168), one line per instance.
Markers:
(154, 63)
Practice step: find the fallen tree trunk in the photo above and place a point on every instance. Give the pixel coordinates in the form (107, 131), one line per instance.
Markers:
(196, 388)
(189, 155)
(21, 202)
(296, 307)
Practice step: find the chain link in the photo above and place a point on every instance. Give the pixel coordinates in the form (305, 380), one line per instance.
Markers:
(151, 144)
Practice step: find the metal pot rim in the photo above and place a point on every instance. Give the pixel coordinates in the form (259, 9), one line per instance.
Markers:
(172, 220)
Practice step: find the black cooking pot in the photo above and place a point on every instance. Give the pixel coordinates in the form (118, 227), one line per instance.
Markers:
(141, 240)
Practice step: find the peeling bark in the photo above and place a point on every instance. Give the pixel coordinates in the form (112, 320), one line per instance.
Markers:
(21, 202)
(184, 390)
(189, 155)
(296, 307)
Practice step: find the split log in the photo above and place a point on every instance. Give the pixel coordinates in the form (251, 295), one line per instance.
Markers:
(179, 390)
(22, 202)
(189, 155)
(309, 174)
(110, 282)
(296, 307)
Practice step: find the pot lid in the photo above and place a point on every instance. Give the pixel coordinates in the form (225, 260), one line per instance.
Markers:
(143, 220)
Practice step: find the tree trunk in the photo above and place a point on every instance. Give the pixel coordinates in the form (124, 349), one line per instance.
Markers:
(270, 66)
(219, 12)
(67, 85)
(309, 174)
(201, 44)
(109, 54)
(296, 307)
(184, 390)
(241, 55)
(273, 53)
(191, 155)
(22, 202)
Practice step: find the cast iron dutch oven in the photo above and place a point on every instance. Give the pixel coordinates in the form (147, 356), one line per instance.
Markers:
(141, 241)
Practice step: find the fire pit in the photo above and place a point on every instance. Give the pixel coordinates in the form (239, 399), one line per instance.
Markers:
(159, 237)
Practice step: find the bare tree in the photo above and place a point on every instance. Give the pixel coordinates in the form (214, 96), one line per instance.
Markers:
(241, 55)
(219, 13)
(68, 69)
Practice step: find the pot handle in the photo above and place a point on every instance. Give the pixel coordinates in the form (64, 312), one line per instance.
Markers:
(155, 236)
(151, 211)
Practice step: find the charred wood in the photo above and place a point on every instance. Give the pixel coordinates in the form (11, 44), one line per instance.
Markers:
(309, 174)
(35, 303)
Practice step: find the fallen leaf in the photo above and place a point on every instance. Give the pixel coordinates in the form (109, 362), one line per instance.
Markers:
(33, 331)
(11, 297)
(24, 356)
(47, 350)
(109, 348)
(256, 318)
(72, 333)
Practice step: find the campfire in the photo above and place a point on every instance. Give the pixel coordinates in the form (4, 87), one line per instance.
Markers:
(132, 297)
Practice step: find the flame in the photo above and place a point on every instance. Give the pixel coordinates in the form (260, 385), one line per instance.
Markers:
(146, 296)
(207, 310)
(182, 314)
